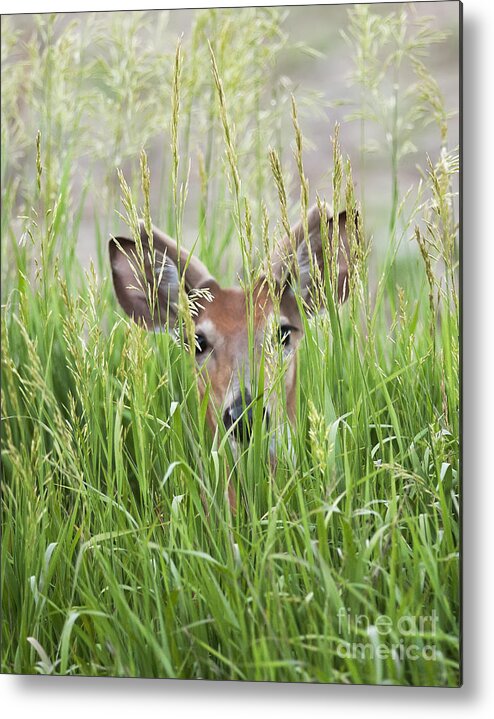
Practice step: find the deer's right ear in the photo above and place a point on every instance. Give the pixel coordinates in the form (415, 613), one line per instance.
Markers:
(146, 286)
(147, 277)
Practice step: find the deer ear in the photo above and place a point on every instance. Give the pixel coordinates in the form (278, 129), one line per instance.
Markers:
(135, 279)
(321, 245)
(295, 258)
(147, 278)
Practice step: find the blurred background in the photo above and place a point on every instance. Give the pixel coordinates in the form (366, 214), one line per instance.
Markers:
(99, 87)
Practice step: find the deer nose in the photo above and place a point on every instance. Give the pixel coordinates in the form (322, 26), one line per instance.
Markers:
(239, 416)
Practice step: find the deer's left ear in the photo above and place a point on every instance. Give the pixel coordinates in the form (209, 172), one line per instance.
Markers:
(297, 270)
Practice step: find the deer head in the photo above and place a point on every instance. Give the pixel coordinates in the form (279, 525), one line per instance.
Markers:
(221, 324)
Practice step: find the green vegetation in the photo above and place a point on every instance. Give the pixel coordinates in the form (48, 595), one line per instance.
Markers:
(120, 553)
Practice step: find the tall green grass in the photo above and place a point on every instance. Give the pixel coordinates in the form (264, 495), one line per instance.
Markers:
(120, 553)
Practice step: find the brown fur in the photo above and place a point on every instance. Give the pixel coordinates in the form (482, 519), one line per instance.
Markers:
(224, 320)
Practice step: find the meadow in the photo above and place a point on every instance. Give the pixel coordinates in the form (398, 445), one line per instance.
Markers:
(340, 563)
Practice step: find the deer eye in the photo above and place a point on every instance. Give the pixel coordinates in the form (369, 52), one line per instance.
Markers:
(201, 344)
(284, 333)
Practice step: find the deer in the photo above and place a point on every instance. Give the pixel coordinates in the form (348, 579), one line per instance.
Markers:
(221, 323)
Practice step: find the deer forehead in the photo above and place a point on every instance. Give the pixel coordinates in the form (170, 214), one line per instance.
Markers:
(223, 320)
(226, 314)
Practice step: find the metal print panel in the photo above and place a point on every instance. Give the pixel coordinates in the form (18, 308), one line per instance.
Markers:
(230, 344)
